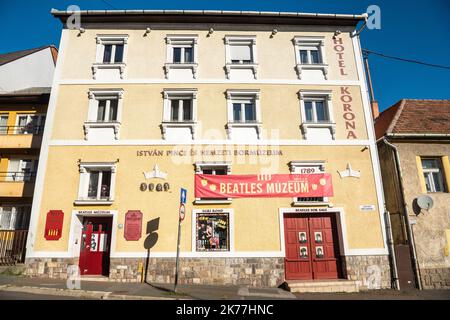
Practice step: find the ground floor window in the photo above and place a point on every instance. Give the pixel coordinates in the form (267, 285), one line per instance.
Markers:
(213, 232)
(14, 218)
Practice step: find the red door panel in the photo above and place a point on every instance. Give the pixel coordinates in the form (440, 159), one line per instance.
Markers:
(311, 247)
(95, 246)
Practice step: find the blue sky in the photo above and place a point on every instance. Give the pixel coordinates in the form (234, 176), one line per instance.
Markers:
(416, 30)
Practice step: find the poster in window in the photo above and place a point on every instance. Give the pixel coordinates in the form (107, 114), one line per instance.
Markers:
(318, 237)
(304, 252)
(319, 252)
(302, 237)
(212, 232)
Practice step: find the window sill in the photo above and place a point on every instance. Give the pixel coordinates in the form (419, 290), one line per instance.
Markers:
(170, 65)
(318, 66)
(92, 202)
(175, 124)
(100, 65)
(230, 125)
(251, 66)
(330, 125)
(115, 125)
(224, 201)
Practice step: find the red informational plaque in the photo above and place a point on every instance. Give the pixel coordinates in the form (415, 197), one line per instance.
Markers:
(133, 225)
(54, 225)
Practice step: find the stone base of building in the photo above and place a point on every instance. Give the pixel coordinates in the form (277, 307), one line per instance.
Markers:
(435, 278)
(370, 272)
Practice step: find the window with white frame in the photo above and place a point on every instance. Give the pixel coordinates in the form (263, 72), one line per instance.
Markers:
(317, 115)
(30, 123)
(111, 54)
(215, 168)
(104, 114)
(308, 167)
(14, 217)
(180, 110)
(181, 54)
(97, 183)
(22, 170)
(212, 232)
(4, 124)
(433, 174)
(310, 55)
(240, 54)
(243, 111)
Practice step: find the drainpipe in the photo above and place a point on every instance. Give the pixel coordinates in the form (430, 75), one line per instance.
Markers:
(390, 241)
(409, 230)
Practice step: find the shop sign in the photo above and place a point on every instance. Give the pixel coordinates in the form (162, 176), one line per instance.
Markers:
(310, 210)
(367, 207)
(263, 186)
(92, 212)
(54, 225)
(133, 225)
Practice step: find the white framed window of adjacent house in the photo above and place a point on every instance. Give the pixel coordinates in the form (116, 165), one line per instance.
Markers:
(110, 56)
(310, 56)
(181, 54)
(434, 174)
(215, 168)
(14, 217)
(308, 167)
(240, 52)
(180, 112)
(30, 123)
(97, 183)
(244, 113)
(317, 118)
(104, 114)
(213, 231)
(21, 170)
(4, 124)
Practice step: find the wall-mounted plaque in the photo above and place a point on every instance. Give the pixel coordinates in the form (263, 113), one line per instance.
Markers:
(54, 225)
(133, 225)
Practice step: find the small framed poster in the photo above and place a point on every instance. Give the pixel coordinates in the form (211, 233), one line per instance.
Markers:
(304, 252)
(319, 252)
(302, 237)
(318, 237)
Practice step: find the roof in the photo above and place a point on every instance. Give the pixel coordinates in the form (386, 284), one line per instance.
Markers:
(414, 117)
(12, 56)
(28, 95)
(211, 16)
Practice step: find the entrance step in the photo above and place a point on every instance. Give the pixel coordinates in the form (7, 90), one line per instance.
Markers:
(94, 278)
(322, 286)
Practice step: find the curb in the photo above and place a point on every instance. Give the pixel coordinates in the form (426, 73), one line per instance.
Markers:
(101, 295)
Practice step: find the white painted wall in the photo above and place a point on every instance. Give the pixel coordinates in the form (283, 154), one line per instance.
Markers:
(34, 70)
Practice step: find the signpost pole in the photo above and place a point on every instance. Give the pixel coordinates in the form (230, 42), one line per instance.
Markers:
(181, 214)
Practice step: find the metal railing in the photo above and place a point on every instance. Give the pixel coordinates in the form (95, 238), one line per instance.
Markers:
(12, 246)
(27, 129)
(10, 176)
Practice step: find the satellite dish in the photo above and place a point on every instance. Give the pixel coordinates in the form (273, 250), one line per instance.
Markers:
(425, 202)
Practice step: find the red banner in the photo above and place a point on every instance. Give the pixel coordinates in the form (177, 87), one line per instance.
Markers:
(54, 225)
(263, 186)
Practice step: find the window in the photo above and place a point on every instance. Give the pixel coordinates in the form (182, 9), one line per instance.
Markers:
(240, 54)
(111, 56)
(14, 217)
(212, 232)
(308, 167)
(97, 183)
(181, 55)
(310, 57)
(3, 124)
(433, 173)
(317, 115)
(216, 168)
(104, 114)
(22, 170)
(30, 123)
(179, 114)
(243, 114)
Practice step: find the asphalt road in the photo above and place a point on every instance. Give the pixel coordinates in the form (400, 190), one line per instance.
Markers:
(9, 295)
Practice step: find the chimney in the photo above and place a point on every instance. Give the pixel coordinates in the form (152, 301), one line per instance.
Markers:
(374, 107)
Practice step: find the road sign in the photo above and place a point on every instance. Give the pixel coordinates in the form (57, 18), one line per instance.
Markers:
(182, 211)
(183, 193)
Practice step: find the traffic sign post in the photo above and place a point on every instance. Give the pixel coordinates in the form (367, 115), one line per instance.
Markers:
(181, 214)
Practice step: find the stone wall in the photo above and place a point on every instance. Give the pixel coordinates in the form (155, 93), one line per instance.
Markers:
(370, 272)
(435, 278)
(56, 268)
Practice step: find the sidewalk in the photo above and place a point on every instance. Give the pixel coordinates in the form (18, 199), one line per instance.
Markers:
(142, 291)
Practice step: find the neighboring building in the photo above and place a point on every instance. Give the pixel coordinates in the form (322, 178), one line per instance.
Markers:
(223, 104)
(25, 81)
(414, 148)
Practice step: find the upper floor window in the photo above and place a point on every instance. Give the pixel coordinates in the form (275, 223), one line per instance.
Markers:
(244, 115)
(316, 111)
(308, 167)
(434, 175)
(182, 55)
(14, 217)
(3, 124)
(244, 111)
(310, 57)
(113, 53)
(22, 170)
(107, 110)
(29, 123)
(181, 110)
(215, 168)
(97, 183)
(241, 55)
(110, 57)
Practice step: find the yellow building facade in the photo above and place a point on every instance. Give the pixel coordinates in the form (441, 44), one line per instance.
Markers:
(140, 107)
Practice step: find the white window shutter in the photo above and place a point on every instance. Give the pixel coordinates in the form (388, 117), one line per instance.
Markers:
(240, 52)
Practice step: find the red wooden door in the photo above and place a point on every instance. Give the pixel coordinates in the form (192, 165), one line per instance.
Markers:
(312, 250)
(95, 243)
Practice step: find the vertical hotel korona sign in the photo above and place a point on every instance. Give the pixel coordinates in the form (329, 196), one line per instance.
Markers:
(263, 185)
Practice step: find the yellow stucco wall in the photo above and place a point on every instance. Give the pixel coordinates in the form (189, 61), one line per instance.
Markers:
(256, 220)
